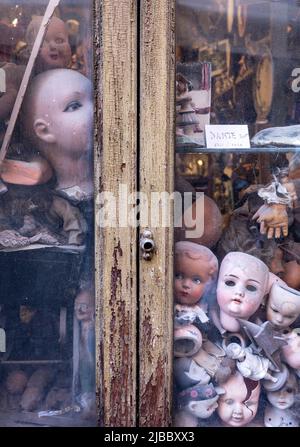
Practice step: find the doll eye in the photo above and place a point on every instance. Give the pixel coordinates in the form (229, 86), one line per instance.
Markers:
(289, 390)
(251, 288)
(229, 401)
(178, 276)
(73, 106)
(197, 280)
(230, 283)
(275, 310)
(250, 403)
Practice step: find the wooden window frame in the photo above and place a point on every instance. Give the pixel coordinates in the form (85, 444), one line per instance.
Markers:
(134, 66)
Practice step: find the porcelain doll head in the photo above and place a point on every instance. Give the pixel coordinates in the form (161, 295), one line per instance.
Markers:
(200, 400)
(85, 305)
(195, 270)
(55, 51)
(238, 405)
(283, 306)
(188, 373)
(242, 284)
(59, 123)
(291, 351)
(285, 397)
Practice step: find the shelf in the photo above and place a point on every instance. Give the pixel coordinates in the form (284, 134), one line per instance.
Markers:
(33, 362)
(206, 150)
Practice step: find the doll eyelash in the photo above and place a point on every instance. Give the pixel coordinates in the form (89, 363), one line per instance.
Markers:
(72, 106)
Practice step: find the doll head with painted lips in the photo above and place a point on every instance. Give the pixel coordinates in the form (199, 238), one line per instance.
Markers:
(284, 398)
(55, 51)
(239, 403)
(243, 282)
(195, 270)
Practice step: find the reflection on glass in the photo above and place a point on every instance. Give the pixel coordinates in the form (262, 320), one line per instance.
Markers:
(236, 286)
(47, 317)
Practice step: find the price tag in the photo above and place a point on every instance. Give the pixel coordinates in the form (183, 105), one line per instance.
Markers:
(227, 136)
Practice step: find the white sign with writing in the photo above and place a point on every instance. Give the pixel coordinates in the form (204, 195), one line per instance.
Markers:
(228, 136)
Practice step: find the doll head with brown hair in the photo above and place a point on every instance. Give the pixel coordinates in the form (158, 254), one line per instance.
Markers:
(196, 269)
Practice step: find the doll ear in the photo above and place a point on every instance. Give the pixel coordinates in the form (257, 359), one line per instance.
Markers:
(41, 129)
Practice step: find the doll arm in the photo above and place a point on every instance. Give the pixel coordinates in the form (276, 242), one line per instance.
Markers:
(272, 216)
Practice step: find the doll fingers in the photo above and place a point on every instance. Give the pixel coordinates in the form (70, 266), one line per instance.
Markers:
(270, 233)
(263, 228)
(285, 230)
(277, 232)
(258, 215)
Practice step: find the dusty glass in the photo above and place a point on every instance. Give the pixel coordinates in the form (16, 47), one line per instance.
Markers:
(236, 283)
(47, 334)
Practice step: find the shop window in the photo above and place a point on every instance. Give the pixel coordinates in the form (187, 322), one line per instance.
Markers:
(237, 282)
(47, 302)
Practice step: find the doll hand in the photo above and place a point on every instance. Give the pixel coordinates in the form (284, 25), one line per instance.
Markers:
(273, 219)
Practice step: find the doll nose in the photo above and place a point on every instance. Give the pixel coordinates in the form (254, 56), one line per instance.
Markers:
(52, 45)
(186, 284)
(237, 410)
(240, 291)
(282, 394)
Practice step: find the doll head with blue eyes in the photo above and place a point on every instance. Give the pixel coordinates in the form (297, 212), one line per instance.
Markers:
(57, 120)
(196, 269)
(242, 285)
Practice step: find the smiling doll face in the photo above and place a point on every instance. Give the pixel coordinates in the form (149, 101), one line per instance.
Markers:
(55, 51)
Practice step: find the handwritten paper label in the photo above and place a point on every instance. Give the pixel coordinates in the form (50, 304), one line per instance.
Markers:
(227, 136)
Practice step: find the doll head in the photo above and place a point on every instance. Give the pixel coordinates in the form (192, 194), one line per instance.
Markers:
(85, 305)
(55, 51)
(283, 306)
(242, 284)
(195, 270)
(238, 405)
(58, 122)
(200, 400)
(291, 351)
(285, 397)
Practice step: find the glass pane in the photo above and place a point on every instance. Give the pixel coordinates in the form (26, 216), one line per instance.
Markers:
(237, 272)
(47, 330)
